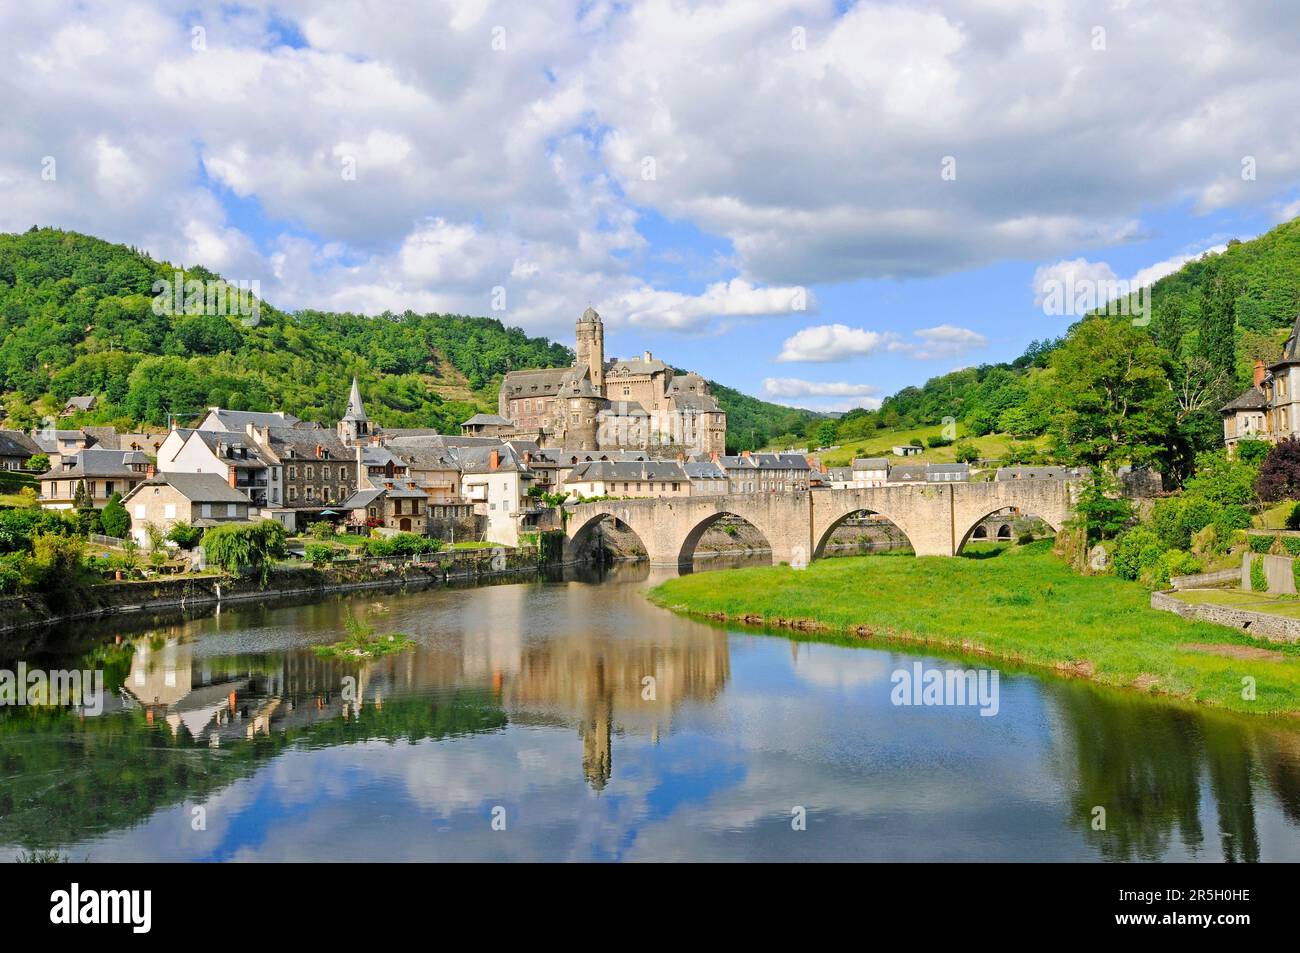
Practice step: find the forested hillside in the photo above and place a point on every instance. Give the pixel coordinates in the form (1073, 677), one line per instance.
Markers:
(1111, 391)
(77, 317)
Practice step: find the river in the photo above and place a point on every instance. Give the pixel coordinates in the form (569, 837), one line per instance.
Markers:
(522, 727)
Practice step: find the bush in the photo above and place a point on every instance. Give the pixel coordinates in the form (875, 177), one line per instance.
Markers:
(402, 544)
(1261, 544)
(938, 441)
(57, 562)
(1258, 581)
(18, 528)
(1136, 549)
(1291, 545)
(1293, 518)
(1279, 474)
(321, 530)
(967, 453)
(184, 535)
(318, 554)
(115, 519)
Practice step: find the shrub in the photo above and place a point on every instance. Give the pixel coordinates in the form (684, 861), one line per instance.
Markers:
(318, 553)
(1261, 544)
(321, 530)
(1291, 545)
(1258, 581)
(967, 453)
(403, 544)
(1136, 549)
(115, 519)
(184, 535)
(938, 441)
(1279, 474)
(1293, 518)
(56, 562)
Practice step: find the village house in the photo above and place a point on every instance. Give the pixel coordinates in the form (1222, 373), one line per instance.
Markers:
(101, 472)
(78, 405)
(16, 450)
(1270, 408)
(707, 478)
(496, 481)
(234, 457)
(869, 472)
(657, 478)
(57, 444)
(765, 472)
(401, 507)
(203, 500)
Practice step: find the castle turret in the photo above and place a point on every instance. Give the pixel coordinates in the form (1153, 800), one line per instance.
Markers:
(591, 348)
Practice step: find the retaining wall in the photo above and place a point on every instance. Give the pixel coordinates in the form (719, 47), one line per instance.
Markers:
(1269, 627)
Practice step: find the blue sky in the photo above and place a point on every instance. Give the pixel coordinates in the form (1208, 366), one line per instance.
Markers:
(817, 202)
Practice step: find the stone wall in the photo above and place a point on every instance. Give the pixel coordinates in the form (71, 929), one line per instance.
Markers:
(1272, 628)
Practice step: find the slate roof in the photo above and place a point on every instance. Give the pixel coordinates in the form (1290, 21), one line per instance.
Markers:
(1253, 399)
(487, 420)
(100, 463)
(233, 449)
(195, 487)
(1030, 473)
(641, 470)
(14, 443)
(239, 419)
(704, 470)
(870, 463)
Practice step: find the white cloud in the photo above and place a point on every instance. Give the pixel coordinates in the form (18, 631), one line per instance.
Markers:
(835, 342)
(1153, 273)
(821, 395)
(946, 341)
(1070, 274)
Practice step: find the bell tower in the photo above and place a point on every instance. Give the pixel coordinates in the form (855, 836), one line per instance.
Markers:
(591, 348)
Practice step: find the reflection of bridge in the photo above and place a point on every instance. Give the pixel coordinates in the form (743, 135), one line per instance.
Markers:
(937, 519)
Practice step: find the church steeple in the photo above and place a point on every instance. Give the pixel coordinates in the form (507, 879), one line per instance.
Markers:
(355, 423)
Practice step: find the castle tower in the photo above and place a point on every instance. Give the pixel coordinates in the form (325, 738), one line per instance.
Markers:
(355, 424)
(591, 348)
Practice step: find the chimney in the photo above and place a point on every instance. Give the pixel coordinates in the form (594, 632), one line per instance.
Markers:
(528, 457)
(494, 459)
(1259, 373)
(681, 457)
(318, 451)
(647, 357)
(234, 476)
(713, 455)
(744, 453)
(150, 472)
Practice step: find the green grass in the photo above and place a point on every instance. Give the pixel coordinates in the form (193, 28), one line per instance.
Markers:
(881, 444)
(1275, 516)
(1277, 604)
(1022, 605)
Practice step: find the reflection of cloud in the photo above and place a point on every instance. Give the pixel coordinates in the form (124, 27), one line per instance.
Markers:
(832, 670)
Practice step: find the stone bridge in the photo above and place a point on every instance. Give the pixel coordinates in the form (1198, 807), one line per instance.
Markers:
(936, 518)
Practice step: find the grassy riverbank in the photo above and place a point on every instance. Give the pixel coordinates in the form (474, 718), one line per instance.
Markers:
(1021, 604)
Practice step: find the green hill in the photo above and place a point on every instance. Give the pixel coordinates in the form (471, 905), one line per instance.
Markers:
(1210, 321)
(77, 317)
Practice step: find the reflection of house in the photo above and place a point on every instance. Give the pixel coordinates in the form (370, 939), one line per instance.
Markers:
(200, 499)
(102, 472)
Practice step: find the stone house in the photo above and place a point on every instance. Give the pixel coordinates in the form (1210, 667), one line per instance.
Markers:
(765, 472)
(16, 450)
(869, 472)
(644, 478)
(200, 499)
(102, 472)
(1270, 408)
(402, 507)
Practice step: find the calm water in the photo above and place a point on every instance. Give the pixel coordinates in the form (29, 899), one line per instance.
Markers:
(227, 739)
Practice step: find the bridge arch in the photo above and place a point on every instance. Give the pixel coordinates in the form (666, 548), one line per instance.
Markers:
(824, 538)
(583, 531)
(687, 551)
(1003, 528)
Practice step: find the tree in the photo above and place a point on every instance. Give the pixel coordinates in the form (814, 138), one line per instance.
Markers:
(246, 550)
(39, 463)
(1112, 398)
(1101, 510)
(81, 496)
(1279, 474)
(826, 433)
(115, 519)
(966, 453)
(184, 535)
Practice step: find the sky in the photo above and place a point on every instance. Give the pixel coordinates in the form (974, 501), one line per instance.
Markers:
(815, 202)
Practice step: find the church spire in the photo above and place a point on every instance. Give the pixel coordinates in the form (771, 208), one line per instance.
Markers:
(355, 409)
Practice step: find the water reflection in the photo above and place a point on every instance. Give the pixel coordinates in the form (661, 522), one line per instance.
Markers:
(608, 729)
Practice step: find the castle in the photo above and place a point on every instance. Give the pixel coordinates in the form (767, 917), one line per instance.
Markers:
(635, 404)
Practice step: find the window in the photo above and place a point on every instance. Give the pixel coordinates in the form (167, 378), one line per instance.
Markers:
(371, 512)
(293, 473)
(169, 511)
(232, 510)
(108, 487)
(309, 471)
(207, 510)
(293, 493)
(139, 511)
(343, 474)
(311, 493)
